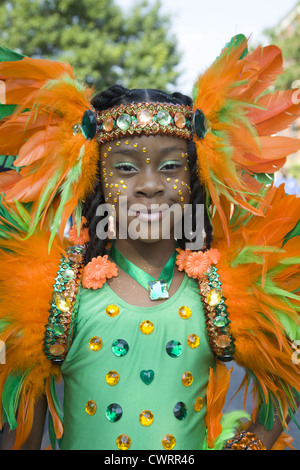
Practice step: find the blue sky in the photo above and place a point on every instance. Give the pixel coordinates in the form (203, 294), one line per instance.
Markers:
(203, 27)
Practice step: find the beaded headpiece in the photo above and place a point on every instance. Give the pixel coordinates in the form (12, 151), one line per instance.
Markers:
(144, 118)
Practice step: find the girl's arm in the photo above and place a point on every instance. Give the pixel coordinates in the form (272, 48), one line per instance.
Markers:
(35, 438)
(269, 437)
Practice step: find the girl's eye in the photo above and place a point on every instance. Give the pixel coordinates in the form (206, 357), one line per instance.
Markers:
(170, 165)
(126, 167)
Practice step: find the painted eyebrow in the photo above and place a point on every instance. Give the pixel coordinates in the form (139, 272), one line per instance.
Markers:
(172, 149)
(124, 152)
(131, 151)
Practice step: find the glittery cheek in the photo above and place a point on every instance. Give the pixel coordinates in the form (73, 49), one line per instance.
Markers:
(112, 188)
(181, 187)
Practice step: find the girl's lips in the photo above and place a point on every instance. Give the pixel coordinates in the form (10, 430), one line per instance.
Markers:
(147, 216)
(150, 216)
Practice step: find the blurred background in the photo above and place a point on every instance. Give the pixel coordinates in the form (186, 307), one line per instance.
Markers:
(159, 44)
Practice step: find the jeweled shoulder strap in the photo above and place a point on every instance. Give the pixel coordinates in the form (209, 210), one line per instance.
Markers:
(64, 305)
(217, 319)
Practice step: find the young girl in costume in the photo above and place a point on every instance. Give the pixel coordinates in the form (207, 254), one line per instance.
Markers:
(139, 324)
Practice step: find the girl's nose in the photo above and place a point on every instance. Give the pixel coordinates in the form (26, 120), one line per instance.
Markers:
(149, 184)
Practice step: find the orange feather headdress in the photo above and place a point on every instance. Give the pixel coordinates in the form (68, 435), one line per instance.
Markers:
(49, 134)
(238, 118)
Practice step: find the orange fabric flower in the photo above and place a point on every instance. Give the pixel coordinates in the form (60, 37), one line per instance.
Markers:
(97, 271)
(196, 264)
(83, 236)
(181, 258)
(214, 255)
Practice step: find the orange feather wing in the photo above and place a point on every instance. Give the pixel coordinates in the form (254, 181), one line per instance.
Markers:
(241, 124)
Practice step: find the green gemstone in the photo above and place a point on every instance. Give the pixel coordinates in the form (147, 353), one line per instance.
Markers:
(58, 329)
(174, 348)
(147, 376)
(114, 412)
(158, 290)
(120, 347)
(180, 410)
(200, 124)
(124, 122)
(89, 124)
(220, 321)
(163, 117)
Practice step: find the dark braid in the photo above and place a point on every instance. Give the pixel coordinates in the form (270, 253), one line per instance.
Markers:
(115, 96)
(96, 245)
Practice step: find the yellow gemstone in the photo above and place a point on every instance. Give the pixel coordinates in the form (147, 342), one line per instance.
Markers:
(214, 297)
(146, 418)
(112, 377)
(168, 442)
(56, 349)
(187, 379)
(193, 341)
(144, 149)
(198, 404)
(108, 123)
(95, 343)
(148, 160)
(126, 142)
(144, 117)
(62, 303)
(168, 180)
(184, 312)
(179, 120)
(124, 186)
(122, 181)
(91, 407)
(147, 327)
(223, 341)
(135, 144)
(112, 310)
(123, 442)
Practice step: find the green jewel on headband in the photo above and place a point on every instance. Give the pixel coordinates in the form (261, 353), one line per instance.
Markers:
(88, 125)
(145, 118)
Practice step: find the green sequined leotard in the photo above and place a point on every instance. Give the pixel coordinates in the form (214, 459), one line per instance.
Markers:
(136, 377)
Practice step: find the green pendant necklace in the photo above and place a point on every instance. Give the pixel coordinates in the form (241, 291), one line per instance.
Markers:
(158, 288)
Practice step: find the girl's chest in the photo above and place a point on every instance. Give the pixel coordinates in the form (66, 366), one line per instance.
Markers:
(145, 370)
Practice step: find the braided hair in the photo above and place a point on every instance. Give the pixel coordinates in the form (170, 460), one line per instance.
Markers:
(114, 96)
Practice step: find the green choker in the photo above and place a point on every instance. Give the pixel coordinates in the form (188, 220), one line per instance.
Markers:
(158, 288)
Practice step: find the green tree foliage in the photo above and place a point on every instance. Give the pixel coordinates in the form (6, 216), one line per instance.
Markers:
(103, 43)
(289, 43)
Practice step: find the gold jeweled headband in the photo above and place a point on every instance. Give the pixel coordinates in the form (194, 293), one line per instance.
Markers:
(144, 118)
